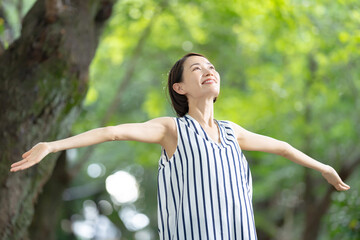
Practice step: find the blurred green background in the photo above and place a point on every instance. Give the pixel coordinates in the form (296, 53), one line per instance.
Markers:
(289, 70)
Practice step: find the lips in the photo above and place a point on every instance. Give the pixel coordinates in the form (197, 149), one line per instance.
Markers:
(209, 80)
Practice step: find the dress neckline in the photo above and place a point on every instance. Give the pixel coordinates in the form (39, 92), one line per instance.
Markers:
(207, 136)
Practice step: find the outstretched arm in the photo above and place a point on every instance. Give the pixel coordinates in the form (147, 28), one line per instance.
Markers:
(256, 142)
(153, 131)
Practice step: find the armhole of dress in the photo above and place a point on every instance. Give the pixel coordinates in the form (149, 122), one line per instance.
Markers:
(177, 141)
(229, 123)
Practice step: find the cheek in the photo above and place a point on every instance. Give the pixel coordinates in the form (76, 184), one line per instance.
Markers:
(190, 76)
(218, 75)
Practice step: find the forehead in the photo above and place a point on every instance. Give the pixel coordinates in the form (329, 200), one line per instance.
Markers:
(195, 59)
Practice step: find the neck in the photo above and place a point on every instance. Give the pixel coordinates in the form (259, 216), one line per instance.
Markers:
(202, 111)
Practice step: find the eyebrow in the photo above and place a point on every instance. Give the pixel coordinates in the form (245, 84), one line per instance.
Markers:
(198, 64)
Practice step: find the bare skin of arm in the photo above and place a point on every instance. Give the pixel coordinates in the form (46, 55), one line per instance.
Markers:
(163, 131)
(160, 130)
(256, 142)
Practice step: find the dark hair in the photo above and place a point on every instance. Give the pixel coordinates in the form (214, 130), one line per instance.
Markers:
(179, 102)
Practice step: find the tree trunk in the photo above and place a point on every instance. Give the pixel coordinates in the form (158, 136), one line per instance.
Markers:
(47, 208)
(43, 78)
(44, 225)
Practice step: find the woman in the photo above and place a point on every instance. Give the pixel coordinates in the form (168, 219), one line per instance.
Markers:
(204, 181)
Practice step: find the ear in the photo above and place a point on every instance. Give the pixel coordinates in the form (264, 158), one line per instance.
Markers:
(178, 88)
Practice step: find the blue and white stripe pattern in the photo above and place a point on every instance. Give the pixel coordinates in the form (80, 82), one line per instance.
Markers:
(205, 188)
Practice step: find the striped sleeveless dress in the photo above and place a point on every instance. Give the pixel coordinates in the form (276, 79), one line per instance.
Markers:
(205, 189)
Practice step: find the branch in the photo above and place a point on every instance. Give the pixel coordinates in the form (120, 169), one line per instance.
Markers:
(105, 11)
(346, 171)
(128, 74)
(117, 99)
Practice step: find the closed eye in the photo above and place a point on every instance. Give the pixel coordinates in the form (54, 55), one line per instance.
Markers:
(196, 68)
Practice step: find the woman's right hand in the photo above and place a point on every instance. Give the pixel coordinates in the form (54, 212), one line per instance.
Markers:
(159, 130)
(32, 157)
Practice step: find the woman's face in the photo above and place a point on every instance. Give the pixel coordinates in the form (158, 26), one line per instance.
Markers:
(199, 79)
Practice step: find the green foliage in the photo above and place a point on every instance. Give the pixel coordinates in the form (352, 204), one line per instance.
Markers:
(11, 18)
(154, 105)
(289, 69)
(344, 218)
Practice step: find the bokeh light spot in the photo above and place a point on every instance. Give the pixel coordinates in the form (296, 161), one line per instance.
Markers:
(123, 187)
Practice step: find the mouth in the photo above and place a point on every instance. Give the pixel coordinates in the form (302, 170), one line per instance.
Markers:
(209, 81)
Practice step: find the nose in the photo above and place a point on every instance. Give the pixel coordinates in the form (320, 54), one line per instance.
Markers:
(207, 72)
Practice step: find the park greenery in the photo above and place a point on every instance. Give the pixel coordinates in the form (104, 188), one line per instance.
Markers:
(289, 70)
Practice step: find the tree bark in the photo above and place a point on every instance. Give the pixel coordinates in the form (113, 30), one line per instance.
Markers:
(43, 79)
(40, 226)
(47, 209)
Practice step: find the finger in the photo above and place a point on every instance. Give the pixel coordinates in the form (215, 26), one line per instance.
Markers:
(19, 163)
(27, 165)
(341, 183)
(345, 185)
(22, 166)
(26, 154)
(15, 169)
(342, 187)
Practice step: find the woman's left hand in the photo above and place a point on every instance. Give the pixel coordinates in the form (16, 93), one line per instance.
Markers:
(334, 179)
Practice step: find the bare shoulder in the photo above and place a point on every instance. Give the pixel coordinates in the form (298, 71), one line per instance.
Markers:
(166, 122)
(167, 127)
(235, 126)
(239, 131)
(162, 120)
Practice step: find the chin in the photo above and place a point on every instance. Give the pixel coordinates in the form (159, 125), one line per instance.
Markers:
(213, 93)
(216, 93)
